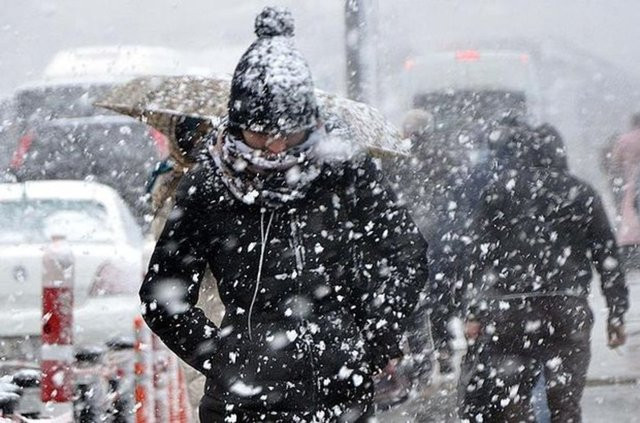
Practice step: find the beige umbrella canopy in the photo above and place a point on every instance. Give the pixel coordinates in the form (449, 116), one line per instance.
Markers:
(161, 101)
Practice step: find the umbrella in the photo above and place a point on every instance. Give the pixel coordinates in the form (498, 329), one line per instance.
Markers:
(163, 101)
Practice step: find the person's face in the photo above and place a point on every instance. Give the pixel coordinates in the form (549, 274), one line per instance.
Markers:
(272, 143)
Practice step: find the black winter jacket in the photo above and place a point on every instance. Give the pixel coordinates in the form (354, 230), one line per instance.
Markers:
(316, 292)
(539, 232)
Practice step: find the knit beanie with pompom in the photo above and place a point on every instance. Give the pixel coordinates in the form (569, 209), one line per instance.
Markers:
(272, 89)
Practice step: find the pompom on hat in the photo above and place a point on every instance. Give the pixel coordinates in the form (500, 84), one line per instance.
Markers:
(274, 22)
(272, 89)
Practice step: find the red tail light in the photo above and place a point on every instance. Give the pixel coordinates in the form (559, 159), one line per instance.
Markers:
(467, 56)
(409, 64)
(21, 151)
(160, 141)
(114, 280)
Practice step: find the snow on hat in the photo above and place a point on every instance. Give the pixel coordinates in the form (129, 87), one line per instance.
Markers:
(272, 89)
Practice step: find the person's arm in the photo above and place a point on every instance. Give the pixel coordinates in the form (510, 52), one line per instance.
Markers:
(391, 263)
(604, 251)
(171, 287)
(480, 251)
(637, 193)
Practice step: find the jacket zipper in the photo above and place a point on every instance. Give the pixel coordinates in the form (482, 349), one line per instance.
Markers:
(264, 238)
(300, 256)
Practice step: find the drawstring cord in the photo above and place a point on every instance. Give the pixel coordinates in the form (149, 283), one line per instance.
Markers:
(264, 235)
(297, 244)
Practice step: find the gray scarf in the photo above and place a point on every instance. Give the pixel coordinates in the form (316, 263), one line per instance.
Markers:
(271, 180)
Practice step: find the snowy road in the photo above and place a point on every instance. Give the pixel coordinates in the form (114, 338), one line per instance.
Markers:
(624, 363)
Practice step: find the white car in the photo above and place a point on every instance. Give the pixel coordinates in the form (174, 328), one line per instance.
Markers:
(107, 246)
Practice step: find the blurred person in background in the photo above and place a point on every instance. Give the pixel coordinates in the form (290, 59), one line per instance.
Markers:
(431, 180)
(614, 178)
(625, 166)
(317, 265)
(540, 231)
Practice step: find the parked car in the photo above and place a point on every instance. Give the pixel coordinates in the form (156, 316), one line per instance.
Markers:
(55, 132)
(106, 243)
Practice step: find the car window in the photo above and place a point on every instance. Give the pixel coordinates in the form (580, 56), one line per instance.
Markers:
(36, 221)
(56, 102)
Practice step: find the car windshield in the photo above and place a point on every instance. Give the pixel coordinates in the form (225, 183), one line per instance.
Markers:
(36, 221)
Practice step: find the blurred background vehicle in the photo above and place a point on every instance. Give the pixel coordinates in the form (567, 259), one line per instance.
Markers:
(53, 131)
(464, 89)
(57, 133)
(106, 242)
(471, 83)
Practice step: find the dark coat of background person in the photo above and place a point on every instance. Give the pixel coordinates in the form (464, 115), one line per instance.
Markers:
(339, 273)
(540, 232)
(433, 183)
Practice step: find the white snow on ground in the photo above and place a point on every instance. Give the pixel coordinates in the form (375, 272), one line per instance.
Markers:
(623, 362)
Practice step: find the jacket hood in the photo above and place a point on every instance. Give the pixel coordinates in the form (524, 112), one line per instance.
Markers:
(540, 147)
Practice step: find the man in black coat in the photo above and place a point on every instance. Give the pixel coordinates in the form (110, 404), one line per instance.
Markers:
(540, 232)
(316, 264)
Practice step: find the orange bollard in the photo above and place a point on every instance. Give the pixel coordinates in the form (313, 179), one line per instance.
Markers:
(57, 327)
(143, 391)
(161, 381)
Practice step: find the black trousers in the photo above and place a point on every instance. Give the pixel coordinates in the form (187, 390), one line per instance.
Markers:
(520, 340)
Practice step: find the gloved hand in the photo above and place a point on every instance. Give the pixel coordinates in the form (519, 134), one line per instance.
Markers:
(445, 362)
(391, 386)
(616, 335)
(472, 330)
(418, 366)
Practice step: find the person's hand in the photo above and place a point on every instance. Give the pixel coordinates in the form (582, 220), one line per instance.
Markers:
(472, 329)
(616, 335)
(392, 385)
(390, 368)
(445, 363)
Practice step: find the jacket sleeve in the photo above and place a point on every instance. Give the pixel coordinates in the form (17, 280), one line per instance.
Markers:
(391, 263)
(604, 252)
(170, 289)
(480, 253)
